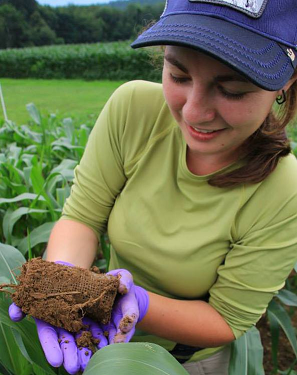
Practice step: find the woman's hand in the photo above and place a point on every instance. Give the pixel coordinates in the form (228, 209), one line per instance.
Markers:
(129, 309)
(59, 345)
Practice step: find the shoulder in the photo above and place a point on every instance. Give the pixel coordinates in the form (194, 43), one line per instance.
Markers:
(140, 92)
(284, 177)
(137, 101)
(139, 116)
(271, 201)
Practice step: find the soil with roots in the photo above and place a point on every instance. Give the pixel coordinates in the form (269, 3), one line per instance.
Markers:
(63, 295)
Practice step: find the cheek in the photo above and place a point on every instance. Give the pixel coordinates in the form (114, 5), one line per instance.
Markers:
(248, 116)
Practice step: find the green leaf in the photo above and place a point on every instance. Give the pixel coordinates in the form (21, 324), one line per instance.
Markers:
(11, 357)
(11, 217)
(277, 312)
(27, 329)
(62, 195)
(274, 329)
(11, 261)
(34, 113)
(21, 197)
(247, 354)
(288, 298)
(38, 235)
(105, 249)
(134, 358)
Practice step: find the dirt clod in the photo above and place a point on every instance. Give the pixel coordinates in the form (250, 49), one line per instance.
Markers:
(62, 295)
(86, 340)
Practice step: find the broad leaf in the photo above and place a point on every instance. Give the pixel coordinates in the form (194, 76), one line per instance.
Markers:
(11, 357)
(21, 197)
(11, 261)
(38, 235)
(288, 298)
(134, 358)
(34, 113)
(275, 330)
(11, 217)
(27, 329)
(247, 354)
(277, 312)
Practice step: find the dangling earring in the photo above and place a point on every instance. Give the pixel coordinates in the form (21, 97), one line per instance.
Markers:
(281, 98)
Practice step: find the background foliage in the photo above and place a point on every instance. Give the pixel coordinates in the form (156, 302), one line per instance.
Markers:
(114, 61)
(25, 23)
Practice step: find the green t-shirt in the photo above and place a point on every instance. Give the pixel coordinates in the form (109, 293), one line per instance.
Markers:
(177, 235)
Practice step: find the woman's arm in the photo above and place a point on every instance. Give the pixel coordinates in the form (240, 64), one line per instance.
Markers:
(73, 242)
(194, 323)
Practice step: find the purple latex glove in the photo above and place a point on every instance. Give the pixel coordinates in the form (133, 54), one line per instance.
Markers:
(58, 344)
(129, 309)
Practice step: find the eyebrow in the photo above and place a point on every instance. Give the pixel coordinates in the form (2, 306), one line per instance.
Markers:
(219, 78)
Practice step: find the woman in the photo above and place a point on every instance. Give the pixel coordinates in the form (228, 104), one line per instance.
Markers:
(195, 181)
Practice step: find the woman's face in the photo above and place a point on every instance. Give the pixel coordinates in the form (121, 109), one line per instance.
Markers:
(216, 108)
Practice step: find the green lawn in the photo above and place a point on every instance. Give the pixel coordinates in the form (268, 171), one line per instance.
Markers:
(66, 98)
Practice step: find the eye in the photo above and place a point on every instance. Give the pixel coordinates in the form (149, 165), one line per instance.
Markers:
(178, 79)
(231, 95)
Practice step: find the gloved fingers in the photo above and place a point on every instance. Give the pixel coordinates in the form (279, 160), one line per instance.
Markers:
(126, 280)
(123, 337)
(129, 307)
(97, 332)
(109, 331)
(48, 338)
(84, 355)
(69, 349)
(15, 313)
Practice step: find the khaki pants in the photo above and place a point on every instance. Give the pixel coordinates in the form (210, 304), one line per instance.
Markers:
(217, 364)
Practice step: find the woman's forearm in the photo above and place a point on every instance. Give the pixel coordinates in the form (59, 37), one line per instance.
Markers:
(72, 242)
(193, 323)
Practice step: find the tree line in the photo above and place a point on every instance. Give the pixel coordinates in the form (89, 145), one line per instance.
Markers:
(25, 23)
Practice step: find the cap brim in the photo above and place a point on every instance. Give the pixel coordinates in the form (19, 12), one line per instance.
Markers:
(261, 60)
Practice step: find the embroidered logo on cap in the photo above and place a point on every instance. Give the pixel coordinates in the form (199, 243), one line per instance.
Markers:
(253, 8)
(291, 54)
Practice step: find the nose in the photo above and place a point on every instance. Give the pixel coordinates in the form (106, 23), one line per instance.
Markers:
(199, 107)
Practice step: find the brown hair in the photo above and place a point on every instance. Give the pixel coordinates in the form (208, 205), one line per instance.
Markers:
(265, 147)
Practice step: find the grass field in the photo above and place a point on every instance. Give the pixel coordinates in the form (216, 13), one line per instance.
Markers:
(66, 98)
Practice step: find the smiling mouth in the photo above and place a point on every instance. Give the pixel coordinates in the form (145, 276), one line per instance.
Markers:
(205, 131)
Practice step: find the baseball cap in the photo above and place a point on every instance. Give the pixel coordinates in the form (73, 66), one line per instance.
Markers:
(257, 38)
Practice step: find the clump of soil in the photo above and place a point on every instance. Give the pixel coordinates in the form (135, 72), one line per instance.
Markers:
(62, 295)
(86, 340)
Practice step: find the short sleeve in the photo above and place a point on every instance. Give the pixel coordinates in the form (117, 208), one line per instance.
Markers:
(261, 257)
(99, 177)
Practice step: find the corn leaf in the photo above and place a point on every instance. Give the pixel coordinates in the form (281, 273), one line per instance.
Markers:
(38, 235)
(11, 261)
(21, 197)
(275, 330)
(287, 297)
(27, 329)
(247, 354)
(11, 217)
(134, 358)
(11, 357)
(276, 312)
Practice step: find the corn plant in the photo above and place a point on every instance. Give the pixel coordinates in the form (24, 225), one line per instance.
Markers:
(113, 61)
